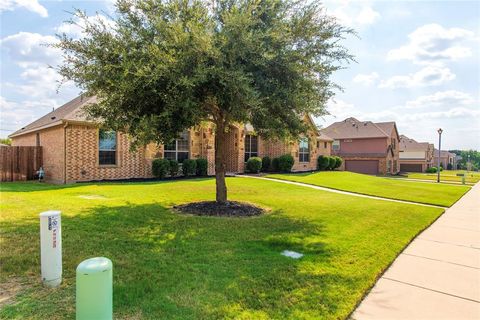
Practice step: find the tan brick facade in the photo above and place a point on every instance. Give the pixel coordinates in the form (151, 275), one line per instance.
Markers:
(71, 152)
(52, 142)
(82, 157)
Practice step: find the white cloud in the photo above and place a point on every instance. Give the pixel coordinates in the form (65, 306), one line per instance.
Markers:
(367, 16)
(31, 5)
(338, 108)
(428, 76)
(433, 43)
(27, 49)
(353, 13)
(366, 79)
(76, 28)
(442, 99)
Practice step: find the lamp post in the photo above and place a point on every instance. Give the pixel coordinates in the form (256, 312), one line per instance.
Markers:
(439, 152)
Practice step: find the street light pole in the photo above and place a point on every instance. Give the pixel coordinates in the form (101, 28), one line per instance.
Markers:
(439, 152)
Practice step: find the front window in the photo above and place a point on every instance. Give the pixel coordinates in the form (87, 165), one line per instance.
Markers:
(303, 150)
(251, 146)
(178, 149)
(107, 146)
(336, 145)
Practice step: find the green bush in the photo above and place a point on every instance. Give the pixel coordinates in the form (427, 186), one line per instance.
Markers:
(174, 168)
(441, 168)
(449, 166)
(275, 165)
(160, 168)
(266, 163)
(431, 170)
(202, 167)
(332, 162)
(254, 164)
(285, 163)
(322, 162)
(338, 162)
(189, 167)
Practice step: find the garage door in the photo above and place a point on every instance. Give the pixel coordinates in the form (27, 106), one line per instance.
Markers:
(362, 166)
(410, 167)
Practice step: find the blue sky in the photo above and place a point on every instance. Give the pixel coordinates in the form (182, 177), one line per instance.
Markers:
(418, 63)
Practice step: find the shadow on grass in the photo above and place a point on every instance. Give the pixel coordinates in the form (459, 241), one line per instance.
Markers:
(173, 266)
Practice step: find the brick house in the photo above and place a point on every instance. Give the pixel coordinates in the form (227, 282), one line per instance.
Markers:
(364, 146)
(75, 149)
(415, 156)
(445, 159)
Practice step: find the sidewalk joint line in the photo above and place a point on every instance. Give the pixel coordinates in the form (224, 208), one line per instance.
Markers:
(438, 291)
(444, 261)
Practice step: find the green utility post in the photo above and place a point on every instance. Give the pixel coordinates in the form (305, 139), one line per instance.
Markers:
(94, 296)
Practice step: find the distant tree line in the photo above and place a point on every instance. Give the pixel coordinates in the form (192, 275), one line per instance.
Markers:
(468, 155)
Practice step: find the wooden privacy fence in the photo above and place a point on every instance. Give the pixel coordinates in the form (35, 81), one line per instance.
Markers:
(19, 163)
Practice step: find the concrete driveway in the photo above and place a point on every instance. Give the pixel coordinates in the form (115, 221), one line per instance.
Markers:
(438, 275)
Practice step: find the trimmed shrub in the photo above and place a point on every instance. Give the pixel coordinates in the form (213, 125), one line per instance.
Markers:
(449, 166)
(266, 163)
(332, 162)
(275, 165)
(441, 168)
(338, 162)
(322, 162)
(202, 167)
(285, 163)
(254, 164)
(431, 170)
(174, 168)
(160, 168)
(189, 167)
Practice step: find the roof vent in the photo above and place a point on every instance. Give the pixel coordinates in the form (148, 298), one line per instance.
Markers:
(365, 123)
(53, 118)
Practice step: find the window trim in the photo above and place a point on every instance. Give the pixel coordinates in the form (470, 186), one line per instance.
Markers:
(300, 152)
(177, 151)
(248, 137)
(334, 145)
(116, 164)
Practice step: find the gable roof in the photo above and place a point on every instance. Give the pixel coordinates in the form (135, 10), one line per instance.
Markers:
(352, 128)
(71, 110)
(408, 144)
(443, 153)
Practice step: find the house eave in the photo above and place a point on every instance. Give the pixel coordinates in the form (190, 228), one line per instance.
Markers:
(53, 124)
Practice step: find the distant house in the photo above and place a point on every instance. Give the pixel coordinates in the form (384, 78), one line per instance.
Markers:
(445, 158)
(76, 149)
(415, 156)
(365, 146)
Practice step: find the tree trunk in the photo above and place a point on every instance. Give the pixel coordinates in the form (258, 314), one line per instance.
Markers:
(220, 163)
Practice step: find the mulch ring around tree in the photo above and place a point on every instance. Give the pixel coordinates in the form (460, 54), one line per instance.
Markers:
(225, 209)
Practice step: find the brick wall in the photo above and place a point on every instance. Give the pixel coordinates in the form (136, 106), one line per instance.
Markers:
(82, 157)
(52, 142)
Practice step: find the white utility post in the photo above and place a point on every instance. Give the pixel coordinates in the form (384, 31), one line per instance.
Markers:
(51, 247)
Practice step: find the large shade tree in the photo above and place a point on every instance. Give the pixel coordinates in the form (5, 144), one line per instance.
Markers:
(162, 66)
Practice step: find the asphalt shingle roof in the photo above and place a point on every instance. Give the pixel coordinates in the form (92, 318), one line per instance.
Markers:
(352, 128)
(71, 110)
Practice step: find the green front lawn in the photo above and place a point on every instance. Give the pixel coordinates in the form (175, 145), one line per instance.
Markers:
(171, 266)
(430, 193)
(447, 176)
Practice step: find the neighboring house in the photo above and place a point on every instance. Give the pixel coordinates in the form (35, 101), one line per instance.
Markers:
(364, 146)
(415, 156)
(75, 149)
(445, 158)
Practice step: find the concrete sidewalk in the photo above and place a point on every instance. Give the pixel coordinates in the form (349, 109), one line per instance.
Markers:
(438, 275)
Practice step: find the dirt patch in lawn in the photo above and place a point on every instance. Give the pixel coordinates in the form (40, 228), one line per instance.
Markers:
(9, 290)
(226, 209)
